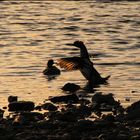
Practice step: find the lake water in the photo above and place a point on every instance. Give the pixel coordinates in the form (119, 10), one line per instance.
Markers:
(33, 32)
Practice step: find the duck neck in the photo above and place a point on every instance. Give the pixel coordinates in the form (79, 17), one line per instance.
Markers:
(84, 52)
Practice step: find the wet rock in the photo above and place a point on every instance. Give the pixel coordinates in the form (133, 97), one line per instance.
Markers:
(4, 107)
(108, 99)
(104, 102)
(108, 117)
(133, 114)
(21, 106)
(78, 112)
(122, 136)
(59, 137)
(66, 99)
(27, 117)
(133, 106)
(67, 116)
(84, 125)
(32, 116)
(30, 136)
(49, 106)
(105, 124)
(71, 87)
(12, 99)
(38, 107)
(82, 111)
(136, 137)
(1, 113)
(46, 124)
(133, 111)
(84, 101)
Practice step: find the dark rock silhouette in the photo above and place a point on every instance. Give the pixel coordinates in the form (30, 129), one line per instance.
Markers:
(71, 87)
(66, 99)
(21, 106)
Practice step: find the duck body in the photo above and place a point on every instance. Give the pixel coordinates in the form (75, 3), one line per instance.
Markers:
(84, 64)
(50, 69)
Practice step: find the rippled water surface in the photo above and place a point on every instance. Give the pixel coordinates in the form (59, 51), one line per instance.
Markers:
(33, 32)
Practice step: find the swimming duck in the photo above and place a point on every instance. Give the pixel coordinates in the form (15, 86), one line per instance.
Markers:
(84, 64)
(50, 69)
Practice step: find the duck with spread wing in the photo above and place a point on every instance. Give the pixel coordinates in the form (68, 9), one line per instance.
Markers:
(84, 64)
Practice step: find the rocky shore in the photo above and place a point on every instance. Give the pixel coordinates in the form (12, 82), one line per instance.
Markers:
(70, 118)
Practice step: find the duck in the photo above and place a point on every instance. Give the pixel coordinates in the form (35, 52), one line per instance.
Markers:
(51, 69)
(84, 64)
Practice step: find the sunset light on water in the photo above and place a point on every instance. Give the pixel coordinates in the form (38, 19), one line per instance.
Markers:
(34, 32)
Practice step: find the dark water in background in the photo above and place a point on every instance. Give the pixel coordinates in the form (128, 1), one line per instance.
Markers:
(33, 32)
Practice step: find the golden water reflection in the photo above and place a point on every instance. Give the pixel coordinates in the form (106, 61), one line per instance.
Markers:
(31, 33)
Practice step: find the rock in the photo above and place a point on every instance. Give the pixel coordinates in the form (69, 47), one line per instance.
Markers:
(90, 138)
(133, 111)
(27, 117)
(38, 107)
(21, 106)
(66, 99)
(1, 113)
(82, 111)
(135, 105)
(12, 99)
(49, 106)
(133, 114)
(32, 116)
(66, 116)
(122, 136)
(136, 137)
(4, 107)
(104, 102)
(71, 87)
(84, 101)
(46, 124)
(84, 125)
(108, 99)
(108, 117)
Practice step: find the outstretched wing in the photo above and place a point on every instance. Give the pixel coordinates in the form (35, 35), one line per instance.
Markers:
(70, 63)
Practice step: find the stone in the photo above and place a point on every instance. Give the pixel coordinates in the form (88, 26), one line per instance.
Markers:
(27, 117)
(49, 106)
(1, 113)
(104, 102)
(21, 106)
(12, 99)
(99, 98)
(71, 87)
(66, 99)
(135, 105)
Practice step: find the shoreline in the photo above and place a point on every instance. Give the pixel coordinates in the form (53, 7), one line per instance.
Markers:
(71, 118)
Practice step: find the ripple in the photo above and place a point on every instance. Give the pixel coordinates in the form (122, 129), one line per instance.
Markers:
(71, 28)
(121, 63)
(34, 31)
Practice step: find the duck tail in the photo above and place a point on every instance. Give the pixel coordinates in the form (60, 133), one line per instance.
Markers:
(106, 78)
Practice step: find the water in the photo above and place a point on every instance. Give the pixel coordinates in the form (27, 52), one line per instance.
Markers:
(32, 32)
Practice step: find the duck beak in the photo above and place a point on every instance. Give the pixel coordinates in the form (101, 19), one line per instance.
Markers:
(70, 44)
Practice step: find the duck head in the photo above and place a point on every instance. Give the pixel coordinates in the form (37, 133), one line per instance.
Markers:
(50, 63)
(77, 44)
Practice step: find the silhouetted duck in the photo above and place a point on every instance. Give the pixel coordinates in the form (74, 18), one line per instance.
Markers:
(83, 64)
(50, 69)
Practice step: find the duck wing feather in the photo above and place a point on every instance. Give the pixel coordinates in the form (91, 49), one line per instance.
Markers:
(70, 63)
